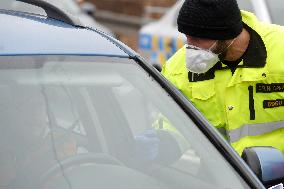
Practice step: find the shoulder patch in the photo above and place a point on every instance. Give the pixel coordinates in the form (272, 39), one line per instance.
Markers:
(273, 103)
(269, 88)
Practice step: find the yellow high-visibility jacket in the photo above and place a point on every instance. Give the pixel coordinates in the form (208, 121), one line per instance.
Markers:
(248, 103)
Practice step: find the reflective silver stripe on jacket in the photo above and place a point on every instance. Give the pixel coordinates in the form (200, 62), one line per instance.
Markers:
(254, 130)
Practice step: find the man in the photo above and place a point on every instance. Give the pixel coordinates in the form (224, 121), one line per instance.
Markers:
(232, 69)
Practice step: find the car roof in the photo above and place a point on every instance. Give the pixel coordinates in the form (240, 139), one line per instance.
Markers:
(24, 33)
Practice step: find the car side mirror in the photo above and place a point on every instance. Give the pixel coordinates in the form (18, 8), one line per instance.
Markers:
(267, 163)
(88, 8)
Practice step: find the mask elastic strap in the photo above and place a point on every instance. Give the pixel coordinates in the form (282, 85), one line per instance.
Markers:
(226, 47)
(230, 44)
(221, 55)
(213, 45)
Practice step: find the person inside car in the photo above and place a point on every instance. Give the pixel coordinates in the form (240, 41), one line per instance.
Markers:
(29, 145)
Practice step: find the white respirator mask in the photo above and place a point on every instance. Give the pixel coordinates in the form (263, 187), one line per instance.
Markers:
(199, 60)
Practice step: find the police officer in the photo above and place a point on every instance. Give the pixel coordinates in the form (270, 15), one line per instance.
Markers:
(232, 69)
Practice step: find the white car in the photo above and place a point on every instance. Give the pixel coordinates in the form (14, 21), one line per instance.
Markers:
(159, 40)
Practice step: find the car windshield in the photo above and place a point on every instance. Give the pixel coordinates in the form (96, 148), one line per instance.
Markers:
(85, 122)
(276, 11)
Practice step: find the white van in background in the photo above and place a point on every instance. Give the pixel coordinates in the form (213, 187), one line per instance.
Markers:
(159, 40)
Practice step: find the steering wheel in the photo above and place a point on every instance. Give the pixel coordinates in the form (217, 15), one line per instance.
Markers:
(80, 159)
(75, 161)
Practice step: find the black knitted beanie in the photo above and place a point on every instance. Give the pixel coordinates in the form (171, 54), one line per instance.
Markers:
(210, 19)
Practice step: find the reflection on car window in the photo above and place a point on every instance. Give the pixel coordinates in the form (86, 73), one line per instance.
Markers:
(68, 121)
(65, 113)
(276, 11)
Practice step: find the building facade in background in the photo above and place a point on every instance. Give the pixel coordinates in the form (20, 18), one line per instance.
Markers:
(126, 17)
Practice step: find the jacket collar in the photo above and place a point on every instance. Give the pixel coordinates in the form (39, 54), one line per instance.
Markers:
(256, 54)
